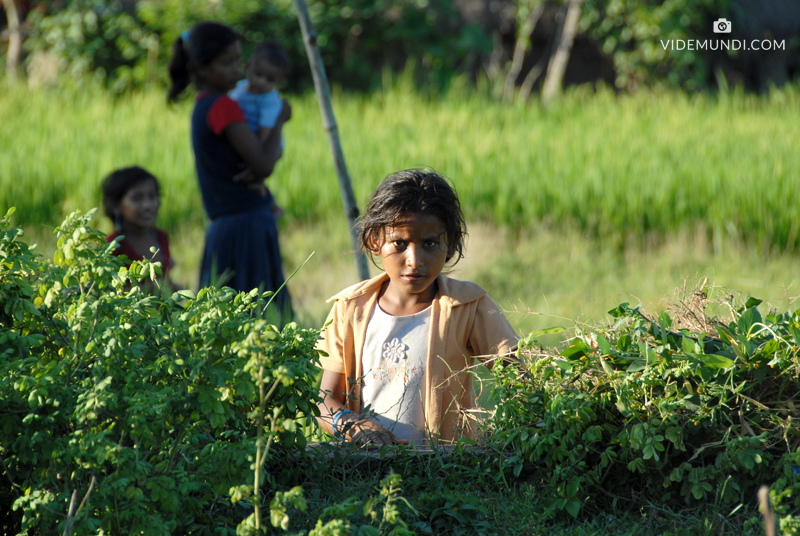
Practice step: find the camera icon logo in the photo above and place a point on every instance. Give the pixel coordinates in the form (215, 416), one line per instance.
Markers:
(722, 26)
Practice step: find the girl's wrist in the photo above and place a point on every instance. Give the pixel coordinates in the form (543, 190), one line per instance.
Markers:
(339, 421)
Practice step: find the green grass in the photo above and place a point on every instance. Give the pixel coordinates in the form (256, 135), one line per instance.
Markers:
(613, 167)
(599, 200)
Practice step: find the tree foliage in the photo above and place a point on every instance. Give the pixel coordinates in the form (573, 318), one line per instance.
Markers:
(632, 34)
(143, 405)
(358, 38)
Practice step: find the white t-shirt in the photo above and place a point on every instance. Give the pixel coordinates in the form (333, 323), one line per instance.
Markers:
(394, 361)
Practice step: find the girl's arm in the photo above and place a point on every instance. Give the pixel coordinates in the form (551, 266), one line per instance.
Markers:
(260, 159)
(357, 428)
(259, 162)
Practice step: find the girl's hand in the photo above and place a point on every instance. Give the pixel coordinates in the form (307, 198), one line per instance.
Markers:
(258, 187)
(246, 176)
(365, 431)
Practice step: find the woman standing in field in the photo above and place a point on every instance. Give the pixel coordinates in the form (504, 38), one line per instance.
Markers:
(242, 240)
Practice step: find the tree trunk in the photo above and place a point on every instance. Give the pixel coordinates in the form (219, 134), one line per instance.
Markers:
(14, 39)
(559, 60)
(520, 48)
(329, 123)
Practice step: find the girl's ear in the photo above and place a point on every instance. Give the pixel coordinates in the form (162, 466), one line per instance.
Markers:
(373, 244)
(451, 251)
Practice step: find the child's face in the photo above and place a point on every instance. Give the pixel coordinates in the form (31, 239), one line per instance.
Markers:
(262, 76)
(413, 253)
(224, 71)
(139, 206)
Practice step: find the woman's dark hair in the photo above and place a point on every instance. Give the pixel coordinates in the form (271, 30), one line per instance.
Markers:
(117, 184)
(206, 41)
(274, 53)
(419, 191)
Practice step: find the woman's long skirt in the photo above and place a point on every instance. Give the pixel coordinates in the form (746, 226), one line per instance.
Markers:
(242, 252)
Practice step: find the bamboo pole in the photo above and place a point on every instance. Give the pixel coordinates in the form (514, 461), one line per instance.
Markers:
(329, 123)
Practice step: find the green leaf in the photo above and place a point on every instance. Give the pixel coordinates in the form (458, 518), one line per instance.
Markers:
(748, 319)
(673, 434)
(548, 331)
(573, 508)
(698, 491)
(637, 365)
(713, 360)
(752, 302)
(576, 351)
(573, 487)
(603, 344)
(689, 345)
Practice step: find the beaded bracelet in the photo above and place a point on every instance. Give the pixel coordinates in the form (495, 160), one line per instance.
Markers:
(336, 419)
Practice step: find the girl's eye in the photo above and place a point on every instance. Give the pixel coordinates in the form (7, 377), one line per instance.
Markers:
(431, 243)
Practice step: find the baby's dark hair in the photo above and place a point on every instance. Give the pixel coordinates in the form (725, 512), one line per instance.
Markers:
(117, 184)
(274, 53)
(420, 191)
(206, 41)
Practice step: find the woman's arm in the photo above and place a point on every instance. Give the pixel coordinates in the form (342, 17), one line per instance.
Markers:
(244, 142)
(260, 155)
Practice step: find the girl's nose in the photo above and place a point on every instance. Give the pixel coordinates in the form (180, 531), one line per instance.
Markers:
(412, 256)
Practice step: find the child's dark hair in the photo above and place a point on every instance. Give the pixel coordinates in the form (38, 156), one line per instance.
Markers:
(117, 184)
(420, 191)
(274, 53)
(204, 42)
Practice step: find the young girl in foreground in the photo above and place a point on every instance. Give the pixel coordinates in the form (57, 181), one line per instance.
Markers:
(399, 344)
(242, 239)
(131, 200)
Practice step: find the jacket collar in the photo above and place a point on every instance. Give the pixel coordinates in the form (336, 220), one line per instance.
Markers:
(451, 291)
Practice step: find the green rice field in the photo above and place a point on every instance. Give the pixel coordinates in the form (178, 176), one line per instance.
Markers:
(613, 167)
(600, 199)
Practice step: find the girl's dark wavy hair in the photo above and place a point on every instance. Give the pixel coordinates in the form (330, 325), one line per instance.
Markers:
(117, 184)
(207, 40)
(420, 191)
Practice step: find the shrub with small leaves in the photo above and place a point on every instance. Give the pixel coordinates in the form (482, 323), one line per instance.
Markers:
(646, 411)
(123, 412)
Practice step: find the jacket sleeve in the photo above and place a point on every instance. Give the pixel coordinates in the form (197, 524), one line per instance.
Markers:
(332, 340)
(491, 332)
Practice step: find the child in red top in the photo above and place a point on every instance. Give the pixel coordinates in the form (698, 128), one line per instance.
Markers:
(131, 200)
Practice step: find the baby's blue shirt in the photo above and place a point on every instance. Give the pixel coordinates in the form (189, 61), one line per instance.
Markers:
(260, 110)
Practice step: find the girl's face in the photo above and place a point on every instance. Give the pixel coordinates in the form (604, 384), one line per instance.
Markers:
(138, 208)
(413, 253)
(224, 71)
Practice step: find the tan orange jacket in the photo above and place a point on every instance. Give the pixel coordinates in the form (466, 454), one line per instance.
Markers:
(465, 323)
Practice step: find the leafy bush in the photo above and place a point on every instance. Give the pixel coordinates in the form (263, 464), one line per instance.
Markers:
(123, 412)
(657, 409)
